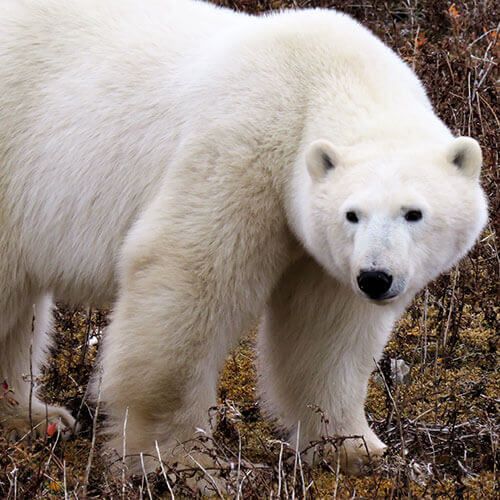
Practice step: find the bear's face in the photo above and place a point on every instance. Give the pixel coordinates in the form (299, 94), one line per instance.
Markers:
(388, 226)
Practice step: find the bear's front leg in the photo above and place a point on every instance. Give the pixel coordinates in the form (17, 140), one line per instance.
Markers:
(318, 345)
(161, 358)
(181, 306)
(196, 271)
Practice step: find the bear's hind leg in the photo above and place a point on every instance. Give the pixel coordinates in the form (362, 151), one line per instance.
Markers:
(317, 346)
(24, 341)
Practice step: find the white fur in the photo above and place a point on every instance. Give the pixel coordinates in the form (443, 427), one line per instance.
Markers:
(154, 155)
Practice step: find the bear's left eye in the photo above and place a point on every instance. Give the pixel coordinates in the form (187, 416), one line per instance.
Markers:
(352, 217)
(413, 215)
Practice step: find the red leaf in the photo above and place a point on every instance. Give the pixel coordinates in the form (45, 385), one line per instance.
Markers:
(51, 429)
(420, 40)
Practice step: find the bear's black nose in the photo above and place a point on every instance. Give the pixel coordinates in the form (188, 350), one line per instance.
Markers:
(374, 283)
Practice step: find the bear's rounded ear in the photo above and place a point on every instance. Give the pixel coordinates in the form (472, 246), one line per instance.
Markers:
(465, 154)
(320, 158)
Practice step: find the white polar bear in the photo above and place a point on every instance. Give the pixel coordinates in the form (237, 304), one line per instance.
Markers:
(200, 168)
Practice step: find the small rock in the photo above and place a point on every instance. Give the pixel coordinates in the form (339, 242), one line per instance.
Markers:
(93, 341)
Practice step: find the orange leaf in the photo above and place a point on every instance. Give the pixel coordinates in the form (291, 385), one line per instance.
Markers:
(53, 486)
(452, 9)
(420, 40)
(51, 429)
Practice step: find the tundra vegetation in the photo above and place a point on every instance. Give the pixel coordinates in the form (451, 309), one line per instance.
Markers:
(441, 423)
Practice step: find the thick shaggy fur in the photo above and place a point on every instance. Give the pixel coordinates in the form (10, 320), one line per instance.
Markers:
(194, 167)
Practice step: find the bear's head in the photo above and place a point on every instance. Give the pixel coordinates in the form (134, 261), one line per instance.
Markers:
(387, 224)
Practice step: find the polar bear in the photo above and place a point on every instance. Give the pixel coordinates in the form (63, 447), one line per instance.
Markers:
(200, 169)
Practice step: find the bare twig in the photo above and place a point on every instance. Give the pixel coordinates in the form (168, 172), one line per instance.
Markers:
(92, 444)
(164, 472)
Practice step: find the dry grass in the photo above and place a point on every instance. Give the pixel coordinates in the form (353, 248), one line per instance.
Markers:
(442, 426)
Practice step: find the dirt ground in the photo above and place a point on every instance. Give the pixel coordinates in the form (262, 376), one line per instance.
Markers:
(441, 424)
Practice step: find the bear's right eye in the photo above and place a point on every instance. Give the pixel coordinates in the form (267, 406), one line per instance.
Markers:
(413, 215)
(352, 217)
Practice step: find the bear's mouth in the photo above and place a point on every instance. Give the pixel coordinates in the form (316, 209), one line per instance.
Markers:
(384, 300)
